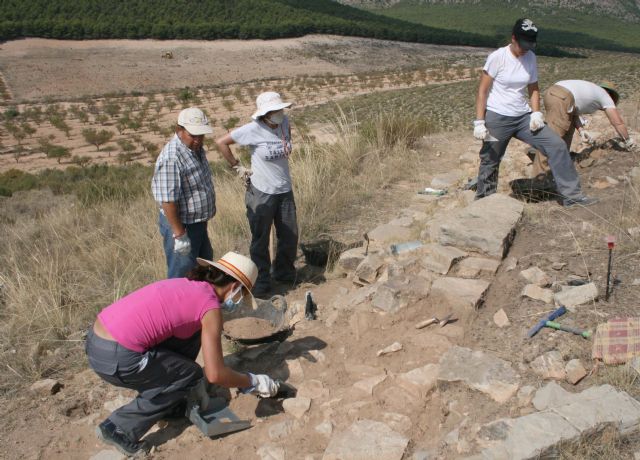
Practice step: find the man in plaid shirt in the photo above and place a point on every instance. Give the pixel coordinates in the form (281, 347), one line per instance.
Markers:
(183, 188)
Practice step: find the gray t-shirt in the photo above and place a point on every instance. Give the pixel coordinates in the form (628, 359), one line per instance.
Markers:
(270, 149)
(589, 97)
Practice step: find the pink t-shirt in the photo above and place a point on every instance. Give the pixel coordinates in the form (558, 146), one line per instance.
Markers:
(154, 313)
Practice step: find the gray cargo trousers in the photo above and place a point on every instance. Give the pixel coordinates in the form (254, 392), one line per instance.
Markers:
(163, 377)
(551, 145)
(263, 210)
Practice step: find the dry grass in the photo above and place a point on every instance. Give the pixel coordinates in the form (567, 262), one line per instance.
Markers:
(622, 377)
(59, 269)
(606, 445)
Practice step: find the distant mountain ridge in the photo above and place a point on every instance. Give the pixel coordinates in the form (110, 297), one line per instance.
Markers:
(590, 24)
(623, 9)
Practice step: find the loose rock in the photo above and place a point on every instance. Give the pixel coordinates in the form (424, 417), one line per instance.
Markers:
(458, 293)
(387, 297)
(537, 293)
(367, 385)
(280, 430)
(325, 428)
(395, 346)
(551, 395)
(536, 276)
(312, 389)
(480, 371)
(440, 258)
(296, 406)
(501, 319)
(525, 395)
(576, 296)
(420, 381)
(46, 387)
(271, 452)
(575, 371)
(351, 258)
(370, 268)
(108, 454)
(549, 365)
(475, 267)
(387, 233)
(365, 440)
(397, 422)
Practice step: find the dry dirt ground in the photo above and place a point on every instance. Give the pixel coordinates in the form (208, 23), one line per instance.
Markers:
(37, 68)
(328, 355)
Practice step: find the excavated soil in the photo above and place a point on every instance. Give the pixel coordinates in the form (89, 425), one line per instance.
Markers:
(248, 328)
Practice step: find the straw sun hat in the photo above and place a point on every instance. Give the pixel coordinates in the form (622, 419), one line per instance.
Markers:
(238, 267)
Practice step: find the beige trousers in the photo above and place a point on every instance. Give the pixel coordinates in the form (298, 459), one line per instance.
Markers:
(561, 115)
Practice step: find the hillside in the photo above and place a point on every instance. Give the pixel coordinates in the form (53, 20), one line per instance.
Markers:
(610, 24)
(210, 19)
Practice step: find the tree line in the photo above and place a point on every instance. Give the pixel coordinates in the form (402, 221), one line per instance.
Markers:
(210, 20)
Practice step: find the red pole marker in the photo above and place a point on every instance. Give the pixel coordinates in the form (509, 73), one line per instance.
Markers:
(611, 242)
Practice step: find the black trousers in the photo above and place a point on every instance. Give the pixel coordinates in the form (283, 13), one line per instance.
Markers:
(162, 376)
(263, 210)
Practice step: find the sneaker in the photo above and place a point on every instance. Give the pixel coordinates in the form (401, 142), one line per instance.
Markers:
(582, 201)
(110, 434)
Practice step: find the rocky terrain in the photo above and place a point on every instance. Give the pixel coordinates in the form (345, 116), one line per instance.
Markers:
(371, 384)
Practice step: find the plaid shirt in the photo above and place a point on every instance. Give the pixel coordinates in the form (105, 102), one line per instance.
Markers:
(184, 177)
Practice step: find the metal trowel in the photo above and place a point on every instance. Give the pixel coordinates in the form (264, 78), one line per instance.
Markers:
(217, 420)
(212, 416)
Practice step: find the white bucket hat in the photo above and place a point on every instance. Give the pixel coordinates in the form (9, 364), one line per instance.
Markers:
(237, 266)
(194, 121)
(269, 101)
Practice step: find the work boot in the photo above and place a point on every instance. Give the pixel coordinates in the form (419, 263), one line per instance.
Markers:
(109, 433)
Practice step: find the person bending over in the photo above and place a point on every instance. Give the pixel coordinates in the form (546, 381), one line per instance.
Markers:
(148, 341)
(502, 112)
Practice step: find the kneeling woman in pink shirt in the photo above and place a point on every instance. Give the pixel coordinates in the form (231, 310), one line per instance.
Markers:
(148, 341)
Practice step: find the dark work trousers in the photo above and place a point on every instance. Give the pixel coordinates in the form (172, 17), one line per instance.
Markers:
(179, 264)
(263, 210)
(502, 129)
(162, 376)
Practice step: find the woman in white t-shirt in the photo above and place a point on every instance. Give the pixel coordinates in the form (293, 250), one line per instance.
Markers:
(503, 112)
(269, 197)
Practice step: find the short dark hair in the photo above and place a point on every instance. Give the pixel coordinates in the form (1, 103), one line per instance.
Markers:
(210, 274)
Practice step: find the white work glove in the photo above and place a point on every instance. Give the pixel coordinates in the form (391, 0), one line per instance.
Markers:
(243, 173)
(629, 144)
(479, 130)
(586, 137)
(182, 244)
(537, 121)
(262, 385)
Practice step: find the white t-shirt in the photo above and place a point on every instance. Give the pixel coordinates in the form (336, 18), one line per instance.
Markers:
(511, 75)
(588, 96)
(270, 149)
